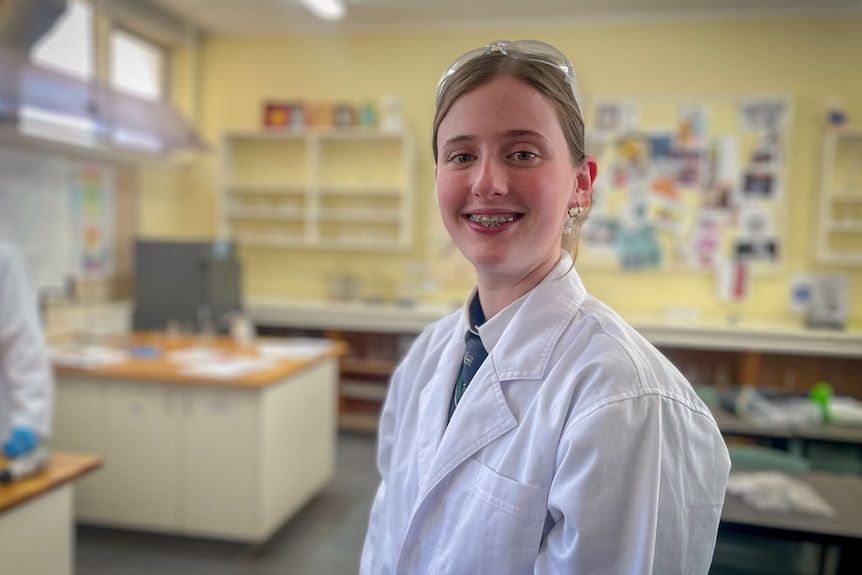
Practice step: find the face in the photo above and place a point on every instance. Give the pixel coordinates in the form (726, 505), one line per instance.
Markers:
(505, 180)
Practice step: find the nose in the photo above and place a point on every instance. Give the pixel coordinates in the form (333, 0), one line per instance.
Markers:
(490, 178)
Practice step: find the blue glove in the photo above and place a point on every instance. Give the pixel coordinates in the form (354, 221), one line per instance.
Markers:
(22, 440)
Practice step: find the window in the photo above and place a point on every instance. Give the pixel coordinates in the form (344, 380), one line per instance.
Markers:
(137, 66)
(137, 69)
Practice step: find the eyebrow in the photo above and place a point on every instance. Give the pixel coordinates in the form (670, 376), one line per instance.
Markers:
(508, 134)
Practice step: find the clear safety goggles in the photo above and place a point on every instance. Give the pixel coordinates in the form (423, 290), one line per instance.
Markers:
(532, 50)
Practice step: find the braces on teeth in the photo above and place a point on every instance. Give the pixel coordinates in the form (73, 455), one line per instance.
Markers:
(491, 221)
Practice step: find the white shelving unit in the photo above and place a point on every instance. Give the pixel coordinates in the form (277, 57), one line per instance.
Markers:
(839, 225)
(338, 190)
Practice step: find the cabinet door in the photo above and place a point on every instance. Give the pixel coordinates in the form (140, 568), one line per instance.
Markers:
(80, 418)
(220, 467)
(142, 451)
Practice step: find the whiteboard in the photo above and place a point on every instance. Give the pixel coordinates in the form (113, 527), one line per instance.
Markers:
(36, 213)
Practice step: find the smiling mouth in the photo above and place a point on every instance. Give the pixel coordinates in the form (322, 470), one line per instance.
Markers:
(492, 221)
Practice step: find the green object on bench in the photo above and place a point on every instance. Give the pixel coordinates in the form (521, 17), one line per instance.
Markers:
(821, 393)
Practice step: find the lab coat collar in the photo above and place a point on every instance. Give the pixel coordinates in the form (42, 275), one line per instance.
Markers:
(525, 348)
(522, 352)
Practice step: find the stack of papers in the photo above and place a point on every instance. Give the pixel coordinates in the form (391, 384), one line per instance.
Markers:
(293, 348)
(216, 363)
(228, 368)
(778, 492)
(87, 356)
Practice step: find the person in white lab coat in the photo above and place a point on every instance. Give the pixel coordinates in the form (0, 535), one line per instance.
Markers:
(575, 447)
(26, 379)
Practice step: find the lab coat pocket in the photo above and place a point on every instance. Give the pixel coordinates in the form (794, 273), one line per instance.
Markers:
(493, 524)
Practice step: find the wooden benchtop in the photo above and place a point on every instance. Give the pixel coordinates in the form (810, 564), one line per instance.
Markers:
(160, 369)
(64, 467)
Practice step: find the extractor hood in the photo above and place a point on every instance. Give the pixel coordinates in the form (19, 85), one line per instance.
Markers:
(120, 121)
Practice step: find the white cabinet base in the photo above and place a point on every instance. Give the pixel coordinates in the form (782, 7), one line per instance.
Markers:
(222, 462)
(36, 537)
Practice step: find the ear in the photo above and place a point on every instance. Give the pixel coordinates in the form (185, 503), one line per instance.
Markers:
(584, 178)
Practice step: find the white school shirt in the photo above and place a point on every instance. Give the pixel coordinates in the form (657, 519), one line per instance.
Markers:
(26, 379)
(577, 448)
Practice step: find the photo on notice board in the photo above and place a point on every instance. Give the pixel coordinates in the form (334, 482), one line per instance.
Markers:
(756, 249)
(754, 221)
(614, 116)
(722, 172)
(668, 214)
(705, 247)
(763, 115)
(599, 234)
(758, 185)
(733, 280)
(692, 127)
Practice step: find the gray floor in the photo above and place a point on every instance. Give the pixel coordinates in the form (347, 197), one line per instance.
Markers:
(324, 538)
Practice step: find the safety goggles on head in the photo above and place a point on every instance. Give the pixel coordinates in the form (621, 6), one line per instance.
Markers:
(532, 50)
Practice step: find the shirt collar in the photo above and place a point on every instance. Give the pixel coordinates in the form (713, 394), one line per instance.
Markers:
(491, 331)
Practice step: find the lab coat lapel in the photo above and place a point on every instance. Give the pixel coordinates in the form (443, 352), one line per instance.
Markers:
(482, 416)
(434, 408)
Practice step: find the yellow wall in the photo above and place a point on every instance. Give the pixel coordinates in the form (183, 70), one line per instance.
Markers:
(809, 61)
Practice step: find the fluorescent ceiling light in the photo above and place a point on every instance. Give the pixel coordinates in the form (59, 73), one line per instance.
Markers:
(325, 9)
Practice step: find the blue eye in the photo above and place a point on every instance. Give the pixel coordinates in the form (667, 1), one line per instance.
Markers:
(461, 158)
(523, 155)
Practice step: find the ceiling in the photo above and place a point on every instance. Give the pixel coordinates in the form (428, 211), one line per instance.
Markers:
(259, 17)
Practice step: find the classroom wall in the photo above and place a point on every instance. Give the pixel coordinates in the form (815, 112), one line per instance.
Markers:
(809, 61)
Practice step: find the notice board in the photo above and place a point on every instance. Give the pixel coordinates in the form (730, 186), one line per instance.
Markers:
(687, 185)
(58, 213)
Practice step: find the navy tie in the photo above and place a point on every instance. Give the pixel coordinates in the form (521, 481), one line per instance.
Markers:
(474, 355)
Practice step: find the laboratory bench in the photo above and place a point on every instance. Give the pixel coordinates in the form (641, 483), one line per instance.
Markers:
(199, 436)
(37, 534)
(716, 353)
(840, 535)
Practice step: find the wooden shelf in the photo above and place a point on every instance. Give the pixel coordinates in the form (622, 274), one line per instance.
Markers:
(847, 198)
(358, 421)
(265, 214)
(355, 189)
(376, 216)
(364, 390)
(839, 223)
(362, 366)
(845, 227)
(265, 188)
(383, 190)
(274, 242)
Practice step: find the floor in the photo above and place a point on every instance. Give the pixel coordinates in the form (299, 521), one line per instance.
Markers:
(324, 538)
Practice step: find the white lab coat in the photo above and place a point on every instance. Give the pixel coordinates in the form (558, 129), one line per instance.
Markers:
(26, 379)
(576, 449)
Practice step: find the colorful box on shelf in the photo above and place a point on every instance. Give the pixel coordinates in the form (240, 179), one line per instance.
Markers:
(299, 115)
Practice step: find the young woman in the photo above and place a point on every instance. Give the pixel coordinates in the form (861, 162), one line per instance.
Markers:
(535, 431)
